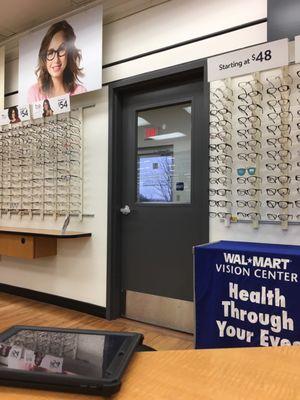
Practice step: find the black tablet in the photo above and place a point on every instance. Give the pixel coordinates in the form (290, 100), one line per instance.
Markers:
(68, 360)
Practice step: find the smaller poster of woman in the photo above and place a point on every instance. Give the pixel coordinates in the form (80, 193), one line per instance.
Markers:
(13, 115)
(49, 107)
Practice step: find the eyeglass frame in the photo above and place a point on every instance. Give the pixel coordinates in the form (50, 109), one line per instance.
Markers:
(57, 51)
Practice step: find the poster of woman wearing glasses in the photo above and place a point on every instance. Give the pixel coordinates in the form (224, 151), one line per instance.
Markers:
(63, 59)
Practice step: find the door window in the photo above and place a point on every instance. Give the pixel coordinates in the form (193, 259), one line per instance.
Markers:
(164, 154)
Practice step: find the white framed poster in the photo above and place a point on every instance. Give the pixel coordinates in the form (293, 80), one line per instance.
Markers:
(48, 107)
(65, 58)
(4, 120)
(23, 112)
(14, 115)
(297, 49)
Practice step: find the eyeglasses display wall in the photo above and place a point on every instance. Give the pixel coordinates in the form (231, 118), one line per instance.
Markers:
(255, 147)
(41, 167)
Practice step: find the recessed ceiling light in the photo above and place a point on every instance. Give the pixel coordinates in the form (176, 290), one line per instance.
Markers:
(188, 109)
(167, 136)
(143, 122)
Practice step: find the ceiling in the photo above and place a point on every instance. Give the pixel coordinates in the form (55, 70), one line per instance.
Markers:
(23, 15)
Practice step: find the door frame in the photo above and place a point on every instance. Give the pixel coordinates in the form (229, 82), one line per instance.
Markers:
(116, 90)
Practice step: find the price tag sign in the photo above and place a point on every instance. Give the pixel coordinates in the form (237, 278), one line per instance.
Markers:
(37, 110)
(24, 113)
(60, 104)
(297, 49)
(53, 106)
(252, 59)
(4, 120)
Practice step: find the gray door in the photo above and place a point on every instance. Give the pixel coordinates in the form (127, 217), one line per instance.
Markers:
(164, 198)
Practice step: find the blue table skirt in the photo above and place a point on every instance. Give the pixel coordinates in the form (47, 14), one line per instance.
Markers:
(247, 294)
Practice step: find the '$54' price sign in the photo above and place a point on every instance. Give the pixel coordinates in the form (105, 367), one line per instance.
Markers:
(262, 56)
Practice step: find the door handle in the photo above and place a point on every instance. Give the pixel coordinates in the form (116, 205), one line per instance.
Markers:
(125, 210)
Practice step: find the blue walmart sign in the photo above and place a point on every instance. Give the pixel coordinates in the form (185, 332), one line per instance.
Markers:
(246, 294)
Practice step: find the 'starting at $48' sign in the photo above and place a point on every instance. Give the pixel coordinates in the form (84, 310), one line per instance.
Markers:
(249, 60)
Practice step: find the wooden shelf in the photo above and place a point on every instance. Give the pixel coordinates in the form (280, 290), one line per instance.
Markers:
(32, 243)
(43, 232)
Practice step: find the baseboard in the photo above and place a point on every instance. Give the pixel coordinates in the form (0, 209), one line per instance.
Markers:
(55, 300)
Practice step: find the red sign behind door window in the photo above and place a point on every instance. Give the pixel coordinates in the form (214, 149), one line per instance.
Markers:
(150, 132)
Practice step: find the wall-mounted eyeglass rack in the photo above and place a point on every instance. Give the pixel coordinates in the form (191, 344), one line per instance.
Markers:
(255, 148)
(41, 167)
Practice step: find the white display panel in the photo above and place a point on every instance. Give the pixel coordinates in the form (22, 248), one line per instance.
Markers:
(53, 106)
(255, 145)
(297, 49)
(2, 76)
(249, 60)
(41, 167)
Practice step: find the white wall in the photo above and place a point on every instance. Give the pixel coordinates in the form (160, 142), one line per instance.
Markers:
(174, 22)
(79, 269)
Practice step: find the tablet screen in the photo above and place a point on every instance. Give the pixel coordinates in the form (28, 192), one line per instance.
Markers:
(60, 352)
